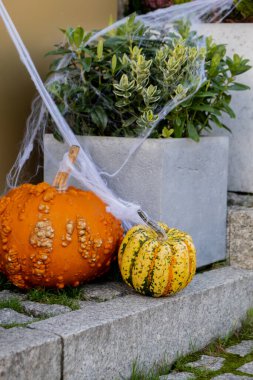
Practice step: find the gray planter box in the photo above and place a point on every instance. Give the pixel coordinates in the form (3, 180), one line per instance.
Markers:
(177, 181)
(238, 38)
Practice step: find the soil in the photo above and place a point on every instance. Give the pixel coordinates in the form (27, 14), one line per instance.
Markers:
(234, 21)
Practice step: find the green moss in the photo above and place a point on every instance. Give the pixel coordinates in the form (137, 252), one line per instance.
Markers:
(216, 348)
(12, 325)
(67, 297)
(13, 304)
(158, 370)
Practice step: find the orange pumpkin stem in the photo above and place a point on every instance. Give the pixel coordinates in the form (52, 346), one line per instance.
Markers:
(62, 176)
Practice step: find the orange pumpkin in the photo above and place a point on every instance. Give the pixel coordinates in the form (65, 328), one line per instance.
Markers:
(51, 238)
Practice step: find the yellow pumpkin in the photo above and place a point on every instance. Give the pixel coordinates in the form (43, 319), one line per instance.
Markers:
(154, 265)
(53, 239)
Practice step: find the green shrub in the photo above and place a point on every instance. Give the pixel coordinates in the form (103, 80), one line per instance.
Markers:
(113, 87)
(245, 7)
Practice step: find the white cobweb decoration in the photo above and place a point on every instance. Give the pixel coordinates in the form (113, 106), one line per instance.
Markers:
(159, 26)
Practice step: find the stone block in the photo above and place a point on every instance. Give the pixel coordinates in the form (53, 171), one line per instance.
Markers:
(105, 291)
(247, 368)
(6, 295)
(171, 179)
(116, 333)
(44, 310)
(27, 354)
(9, 316)
(210, 363)
(240, 242)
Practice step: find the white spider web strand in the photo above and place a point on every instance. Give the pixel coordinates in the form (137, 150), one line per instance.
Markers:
(87, 174)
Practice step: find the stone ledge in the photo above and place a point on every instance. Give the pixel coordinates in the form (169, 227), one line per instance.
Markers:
(103, 340)
(28, 354)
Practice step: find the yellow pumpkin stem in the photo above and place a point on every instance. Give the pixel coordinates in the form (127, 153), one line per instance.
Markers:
(61, 178)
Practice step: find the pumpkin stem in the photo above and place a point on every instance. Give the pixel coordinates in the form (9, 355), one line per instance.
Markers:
(152, 224)
(61, 178)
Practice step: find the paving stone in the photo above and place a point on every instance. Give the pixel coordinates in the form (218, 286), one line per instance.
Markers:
(6, 295)
(230, 376)
(9, 316)
(40, 309)
(211, 363)
(102, 292)
(247, 368)
(178, 376)
(242, 349)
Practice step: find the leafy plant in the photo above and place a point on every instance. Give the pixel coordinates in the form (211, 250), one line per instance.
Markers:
(244, 8)
(118, 85)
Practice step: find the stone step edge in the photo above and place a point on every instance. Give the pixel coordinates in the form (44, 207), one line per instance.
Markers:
(105, 339)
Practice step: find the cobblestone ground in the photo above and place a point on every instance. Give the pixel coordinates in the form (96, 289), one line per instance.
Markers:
(232, 363)
(21, 308)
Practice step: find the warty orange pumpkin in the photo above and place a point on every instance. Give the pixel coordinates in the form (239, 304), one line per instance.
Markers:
(53, 239)
(157, 264)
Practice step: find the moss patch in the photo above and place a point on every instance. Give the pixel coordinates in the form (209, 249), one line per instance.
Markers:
(216, 348)
(158, 370)
(13, 304)
(67, 297)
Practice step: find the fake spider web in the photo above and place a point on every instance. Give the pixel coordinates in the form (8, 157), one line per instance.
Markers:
(155, 34)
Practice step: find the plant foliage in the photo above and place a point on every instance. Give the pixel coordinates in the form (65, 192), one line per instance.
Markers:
(244, 8)
(118, 85)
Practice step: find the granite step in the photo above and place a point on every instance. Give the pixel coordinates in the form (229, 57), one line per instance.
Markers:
(103, 340)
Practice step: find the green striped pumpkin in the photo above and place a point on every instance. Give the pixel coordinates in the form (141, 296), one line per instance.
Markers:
(157, 267)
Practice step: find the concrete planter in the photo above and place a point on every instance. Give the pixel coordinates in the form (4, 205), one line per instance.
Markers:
(178, 181)
(238, 38)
